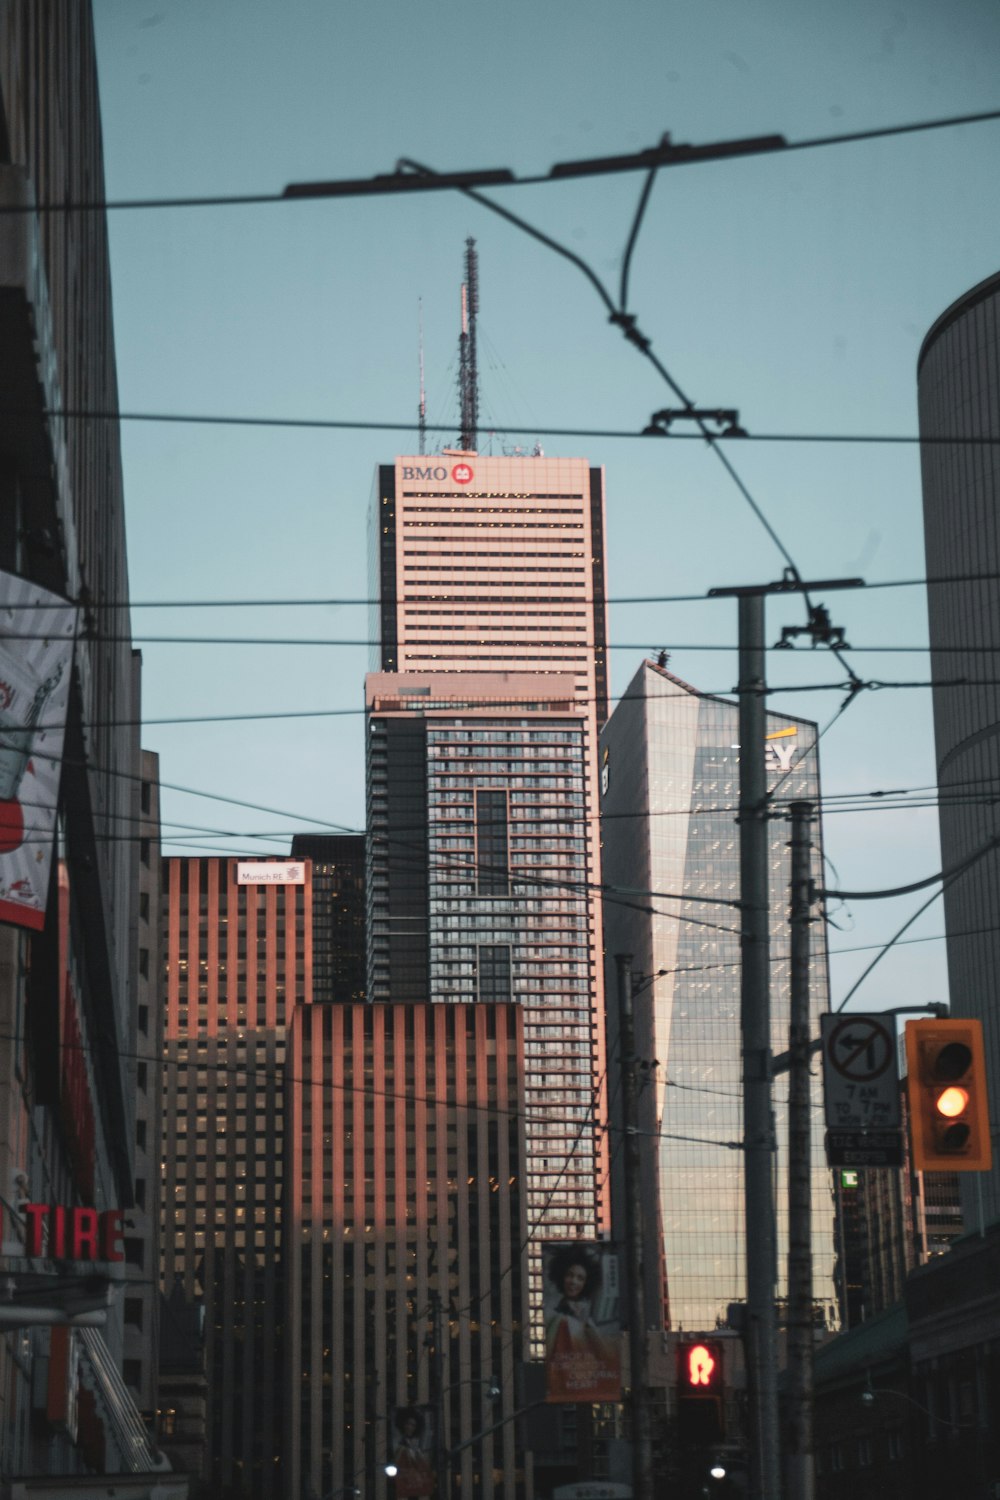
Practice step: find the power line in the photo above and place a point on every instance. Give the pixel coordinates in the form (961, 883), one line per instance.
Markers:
(406, 179)
(928, 581)
(332, 424)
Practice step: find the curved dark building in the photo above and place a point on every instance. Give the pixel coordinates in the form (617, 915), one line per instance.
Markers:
(959, 396)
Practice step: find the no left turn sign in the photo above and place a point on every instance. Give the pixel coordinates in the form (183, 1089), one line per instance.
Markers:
(860, 1076)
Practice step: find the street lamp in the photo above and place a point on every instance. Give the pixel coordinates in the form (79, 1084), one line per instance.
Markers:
(492, 1392)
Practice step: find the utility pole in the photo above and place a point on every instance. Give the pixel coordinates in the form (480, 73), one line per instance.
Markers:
(799, 1462)
(642, 1444)
(441, 1465)
(759, 1137)
(759, 1142)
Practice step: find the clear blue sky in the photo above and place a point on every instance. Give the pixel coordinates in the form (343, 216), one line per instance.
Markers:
(795, 287)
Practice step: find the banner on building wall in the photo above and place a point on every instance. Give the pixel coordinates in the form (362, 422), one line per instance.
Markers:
(412, 1440)
(270, 872)
(582, 1324)
(37, 629)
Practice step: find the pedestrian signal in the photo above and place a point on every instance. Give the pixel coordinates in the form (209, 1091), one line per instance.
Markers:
(946, 1090)
(700, 1387)
(700, 1370)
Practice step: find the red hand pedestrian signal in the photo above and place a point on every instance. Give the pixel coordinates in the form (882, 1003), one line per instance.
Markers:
(700, 1365)
(701, 1388)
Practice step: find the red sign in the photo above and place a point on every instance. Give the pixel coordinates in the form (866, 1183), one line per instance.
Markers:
(74, 1233)
(462, 473)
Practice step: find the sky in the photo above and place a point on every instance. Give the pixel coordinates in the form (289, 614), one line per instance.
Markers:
(795, 287)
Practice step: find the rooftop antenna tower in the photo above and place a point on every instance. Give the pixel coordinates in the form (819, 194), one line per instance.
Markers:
(422, 407)
(468, 373)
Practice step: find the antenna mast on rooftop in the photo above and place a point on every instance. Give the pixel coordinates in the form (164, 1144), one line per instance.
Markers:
(468, 373)
(422, 407)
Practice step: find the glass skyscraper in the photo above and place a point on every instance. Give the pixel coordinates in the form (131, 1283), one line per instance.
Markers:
(670, 787)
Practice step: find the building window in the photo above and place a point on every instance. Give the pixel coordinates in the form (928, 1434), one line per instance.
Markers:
(133, 1313)
(133, 1372)
(494, 972)
(492, 857)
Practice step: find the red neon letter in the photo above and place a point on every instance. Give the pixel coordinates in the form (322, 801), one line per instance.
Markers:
(57, 1234)
(84, 1233)
(34, 1213)
(111, 1232)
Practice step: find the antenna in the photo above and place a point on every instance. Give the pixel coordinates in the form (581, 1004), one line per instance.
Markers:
(422, 407)
(468, 374)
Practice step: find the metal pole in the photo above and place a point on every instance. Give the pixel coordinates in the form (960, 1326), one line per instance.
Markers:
(441, 1465)
(799, 1462)
(755, 1007)
(642, 1445)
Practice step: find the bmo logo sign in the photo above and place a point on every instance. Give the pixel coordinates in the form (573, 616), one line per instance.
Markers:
(460, 474)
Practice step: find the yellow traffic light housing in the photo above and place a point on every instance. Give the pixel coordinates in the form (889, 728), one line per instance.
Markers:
(946, 1089)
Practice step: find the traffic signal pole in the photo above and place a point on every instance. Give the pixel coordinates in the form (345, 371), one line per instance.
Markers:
(642, 1444)
(799, 1469)
(759, 1136)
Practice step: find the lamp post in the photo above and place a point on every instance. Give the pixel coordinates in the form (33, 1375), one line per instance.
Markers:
(443, 1452)
(642, 1443)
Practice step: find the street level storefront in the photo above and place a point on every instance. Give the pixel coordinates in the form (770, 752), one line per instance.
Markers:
(907, 1403)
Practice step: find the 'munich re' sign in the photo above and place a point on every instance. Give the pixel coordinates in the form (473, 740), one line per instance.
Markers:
(73, 1233)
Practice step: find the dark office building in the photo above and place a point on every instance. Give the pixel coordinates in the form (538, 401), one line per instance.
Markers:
(958, 382)
(338, 935)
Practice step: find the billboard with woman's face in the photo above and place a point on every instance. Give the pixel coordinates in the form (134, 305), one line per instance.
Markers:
(412, 1447)
(582, 1326)
(36, 651)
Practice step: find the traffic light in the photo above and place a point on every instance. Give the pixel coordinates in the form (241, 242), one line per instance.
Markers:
(701, 1378)
(946, 1089)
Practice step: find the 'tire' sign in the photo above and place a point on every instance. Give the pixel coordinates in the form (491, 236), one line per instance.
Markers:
(73, 1233)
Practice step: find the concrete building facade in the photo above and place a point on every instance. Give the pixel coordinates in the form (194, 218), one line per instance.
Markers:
(145, 1072)
(959, 406)
(68, 982)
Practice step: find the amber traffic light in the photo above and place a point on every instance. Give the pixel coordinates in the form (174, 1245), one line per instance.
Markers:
(946, 1089)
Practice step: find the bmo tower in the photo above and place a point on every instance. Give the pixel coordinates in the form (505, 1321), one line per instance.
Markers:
(488, 691)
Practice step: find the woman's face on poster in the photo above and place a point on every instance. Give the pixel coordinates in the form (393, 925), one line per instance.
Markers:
(574, 1281)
